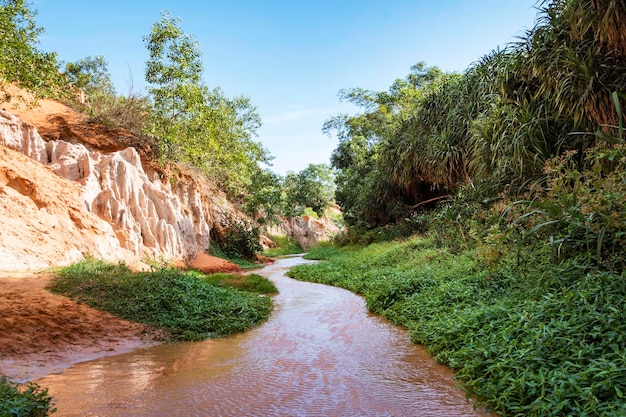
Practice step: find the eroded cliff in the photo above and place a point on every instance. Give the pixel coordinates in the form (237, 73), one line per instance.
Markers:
(100, 203)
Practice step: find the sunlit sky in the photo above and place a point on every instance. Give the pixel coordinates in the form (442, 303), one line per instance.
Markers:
(290, 57)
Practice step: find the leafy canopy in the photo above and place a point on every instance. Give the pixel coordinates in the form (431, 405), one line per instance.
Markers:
(20, 60)
(193, 123)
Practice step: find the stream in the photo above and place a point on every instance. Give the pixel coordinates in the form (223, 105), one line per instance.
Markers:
(320, 354)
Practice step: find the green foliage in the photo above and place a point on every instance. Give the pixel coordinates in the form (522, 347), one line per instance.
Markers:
(182, 303)
(321, 252)
(313, 188)
(20, 60)
(542, 340)
(491, 129)
(308, 192)
(265, 197)
(240, 239)
(383, 162)
(91, 75)
(174, 70)
(250, 282)
(194, 124)
(583, 214)
(31, 401)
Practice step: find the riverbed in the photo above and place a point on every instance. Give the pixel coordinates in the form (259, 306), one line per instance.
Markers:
(320, 354)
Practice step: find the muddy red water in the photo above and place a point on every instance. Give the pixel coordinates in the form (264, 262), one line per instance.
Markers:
(320, 354)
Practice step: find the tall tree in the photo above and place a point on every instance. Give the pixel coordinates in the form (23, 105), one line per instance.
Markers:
(193, 123)
(20, 60)
(174, 70)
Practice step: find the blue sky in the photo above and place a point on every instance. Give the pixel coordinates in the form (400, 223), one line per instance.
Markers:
(290, 57)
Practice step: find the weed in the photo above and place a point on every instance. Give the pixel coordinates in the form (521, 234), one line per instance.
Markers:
(30, 401)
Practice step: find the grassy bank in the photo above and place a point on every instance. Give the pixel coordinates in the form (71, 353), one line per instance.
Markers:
(534, 340)
(188, 305)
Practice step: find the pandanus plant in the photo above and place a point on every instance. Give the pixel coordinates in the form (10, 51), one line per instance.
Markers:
(578, 53)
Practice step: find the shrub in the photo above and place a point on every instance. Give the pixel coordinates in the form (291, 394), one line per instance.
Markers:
(240, 239)
(583, 214)
(33, 401)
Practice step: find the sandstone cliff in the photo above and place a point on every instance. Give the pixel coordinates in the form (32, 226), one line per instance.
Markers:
(100, 203)
(306, 231)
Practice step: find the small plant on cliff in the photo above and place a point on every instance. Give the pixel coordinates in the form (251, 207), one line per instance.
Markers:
(31, 401)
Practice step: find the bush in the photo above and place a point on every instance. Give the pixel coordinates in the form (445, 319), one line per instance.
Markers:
(240, 239)
(583, 214)
(33, 401)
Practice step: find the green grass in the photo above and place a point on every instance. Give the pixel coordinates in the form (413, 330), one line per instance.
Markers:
(546, 340)
(182, 303)
(285, 246)
(29, 401)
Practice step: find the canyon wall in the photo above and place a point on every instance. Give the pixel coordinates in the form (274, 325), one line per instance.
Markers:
(99, 203)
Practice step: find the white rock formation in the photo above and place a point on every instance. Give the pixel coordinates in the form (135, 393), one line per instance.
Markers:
(22, 137)
(149, 216)
(43, 221)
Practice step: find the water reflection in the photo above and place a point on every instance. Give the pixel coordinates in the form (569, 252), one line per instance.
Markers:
(320, 354)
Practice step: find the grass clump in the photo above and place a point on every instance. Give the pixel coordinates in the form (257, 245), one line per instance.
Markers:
(30, 401)
(321, 252)
(182, 303)
(544, 339)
